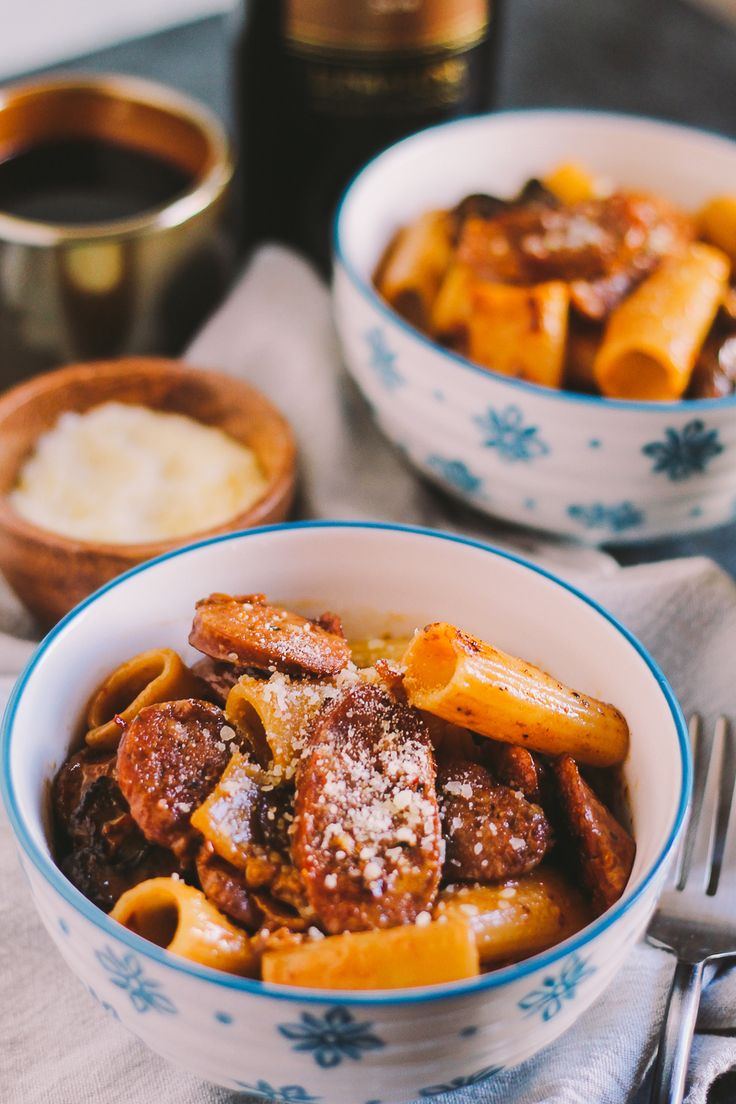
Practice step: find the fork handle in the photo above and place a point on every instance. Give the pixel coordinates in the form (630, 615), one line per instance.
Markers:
(676, 1036)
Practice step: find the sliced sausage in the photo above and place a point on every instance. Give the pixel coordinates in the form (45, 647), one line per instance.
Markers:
(218, 677)
(247, 632)
(484, 206)
(225, 886)
(331, 623)
(169, 759)
(279, 916)
(102, 820)
(74, 778)
(108, 854)
(515, 767)
(605, 849)
(491, 832)
(103, 881)
(367, 833)
(601, 247)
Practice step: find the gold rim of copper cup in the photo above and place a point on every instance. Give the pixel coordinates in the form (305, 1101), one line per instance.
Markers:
(130, 111)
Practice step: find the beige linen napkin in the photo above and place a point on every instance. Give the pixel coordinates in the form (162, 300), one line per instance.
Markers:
(57, 1047)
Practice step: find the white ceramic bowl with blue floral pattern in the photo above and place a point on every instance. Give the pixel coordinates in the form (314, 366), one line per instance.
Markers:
(308, 1046)
(595, 469)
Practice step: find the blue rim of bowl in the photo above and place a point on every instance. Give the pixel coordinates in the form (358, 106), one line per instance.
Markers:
(685, 406)
(493, 980)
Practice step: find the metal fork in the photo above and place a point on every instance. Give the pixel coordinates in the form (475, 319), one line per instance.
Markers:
(696, 917)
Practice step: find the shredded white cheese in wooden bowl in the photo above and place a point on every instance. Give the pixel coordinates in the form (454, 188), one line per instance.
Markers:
(128, 474)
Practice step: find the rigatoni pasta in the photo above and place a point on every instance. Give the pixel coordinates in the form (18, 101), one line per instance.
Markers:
(520, 331)
(572, 183)
(575, 283)
(398, 958)
(468, 682)
(718, 224)
(225, 818)
(154, 676)
(378, 814)
(180, 918)
(275, 713)
(652, 339)
(520, 918)
(416, 264)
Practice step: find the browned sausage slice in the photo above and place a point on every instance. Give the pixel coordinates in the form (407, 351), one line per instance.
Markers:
(367, 832)
(104, 881)
(109, 853)
(331, 623)
(605, 848)
(491, 832)
(515, 767)
(219, 678)
(225, 886)
(169, 759)
(74, 778)
(247, 632)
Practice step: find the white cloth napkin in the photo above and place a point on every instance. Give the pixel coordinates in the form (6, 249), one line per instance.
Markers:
(56, 1047)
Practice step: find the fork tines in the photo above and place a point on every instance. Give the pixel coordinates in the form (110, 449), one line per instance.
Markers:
(708, 855)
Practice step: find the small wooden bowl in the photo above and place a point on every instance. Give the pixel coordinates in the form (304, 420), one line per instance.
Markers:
(51, 573)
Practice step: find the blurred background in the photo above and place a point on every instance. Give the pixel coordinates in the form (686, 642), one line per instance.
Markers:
(44, 31)
(672, 58)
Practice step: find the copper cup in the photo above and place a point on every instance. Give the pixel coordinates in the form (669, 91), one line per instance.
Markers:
(134, 285)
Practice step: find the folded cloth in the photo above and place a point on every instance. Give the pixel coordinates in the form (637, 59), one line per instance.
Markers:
(57, 1048)
(276, 331)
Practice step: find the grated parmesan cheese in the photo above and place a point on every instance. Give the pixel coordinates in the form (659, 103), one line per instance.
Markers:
(127, 474)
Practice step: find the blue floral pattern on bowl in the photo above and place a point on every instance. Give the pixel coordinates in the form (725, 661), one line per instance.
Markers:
(556, 989)
(289, 1094)
(505, 431)
(460, 1082)
(383, 360)
(331, 1038)
(126, 973)
(456, 473)
(685, 452)
(615, 516)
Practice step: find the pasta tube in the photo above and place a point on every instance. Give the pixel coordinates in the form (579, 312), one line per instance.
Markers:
(274, 714)
(179, 918)
(572, 183)
(391, 958)
(520, 331)
(453, 306)
(521, 918)
(464, 680)
(652, 339)
(718, 224)
(227, 816)
(146, 679)
(411, 274)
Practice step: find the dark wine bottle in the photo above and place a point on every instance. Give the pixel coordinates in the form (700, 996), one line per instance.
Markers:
(323, 85)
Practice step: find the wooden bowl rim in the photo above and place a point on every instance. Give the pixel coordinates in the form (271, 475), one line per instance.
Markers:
(280, 483)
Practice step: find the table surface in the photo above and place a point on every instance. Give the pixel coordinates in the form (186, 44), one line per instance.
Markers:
(662, 58)
(656, 57)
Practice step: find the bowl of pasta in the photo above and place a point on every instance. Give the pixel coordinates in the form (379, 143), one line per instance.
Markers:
(334, 838)
(539, 307)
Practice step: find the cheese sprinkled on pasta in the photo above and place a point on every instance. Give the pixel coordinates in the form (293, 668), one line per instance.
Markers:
(128, 474)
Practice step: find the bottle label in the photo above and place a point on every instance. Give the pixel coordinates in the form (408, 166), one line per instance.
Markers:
(381, 56)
